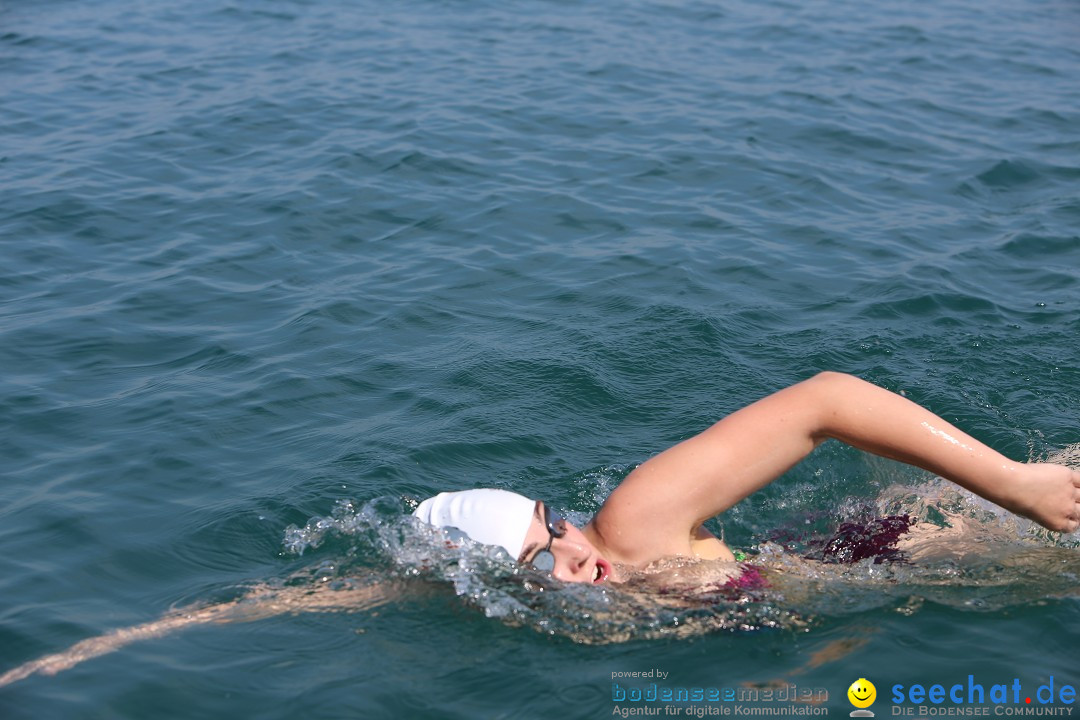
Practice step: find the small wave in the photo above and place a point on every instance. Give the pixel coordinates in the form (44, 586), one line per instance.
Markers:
(1068, 455)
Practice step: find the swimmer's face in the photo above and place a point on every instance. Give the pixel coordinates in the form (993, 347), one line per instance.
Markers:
(576, 560)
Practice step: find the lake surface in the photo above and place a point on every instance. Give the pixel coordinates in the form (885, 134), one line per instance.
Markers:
(271, 269)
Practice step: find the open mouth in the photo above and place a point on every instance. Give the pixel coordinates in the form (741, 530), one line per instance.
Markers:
(600, 571)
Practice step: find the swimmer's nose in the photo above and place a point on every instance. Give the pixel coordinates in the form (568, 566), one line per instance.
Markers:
(576, 555)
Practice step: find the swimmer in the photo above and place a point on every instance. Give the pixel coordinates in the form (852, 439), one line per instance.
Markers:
(658, 511)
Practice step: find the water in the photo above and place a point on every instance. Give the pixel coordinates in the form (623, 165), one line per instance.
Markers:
(269, 262)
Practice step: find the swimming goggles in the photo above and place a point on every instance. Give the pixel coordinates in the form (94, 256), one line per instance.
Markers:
(556, 527)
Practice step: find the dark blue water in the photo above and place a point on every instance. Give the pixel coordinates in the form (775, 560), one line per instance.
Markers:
(270, 262)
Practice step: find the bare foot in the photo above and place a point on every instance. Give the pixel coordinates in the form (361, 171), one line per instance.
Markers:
(1048, 494)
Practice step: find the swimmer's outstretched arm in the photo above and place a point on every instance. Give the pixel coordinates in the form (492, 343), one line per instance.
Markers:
(675, 491)
(261, 601)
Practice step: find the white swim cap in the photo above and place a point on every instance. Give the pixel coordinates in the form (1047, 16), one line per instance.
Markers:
(491, 517)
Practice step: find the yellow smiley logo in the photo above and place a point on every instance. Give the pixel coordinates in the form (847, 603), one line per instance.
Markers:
(862, 693)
